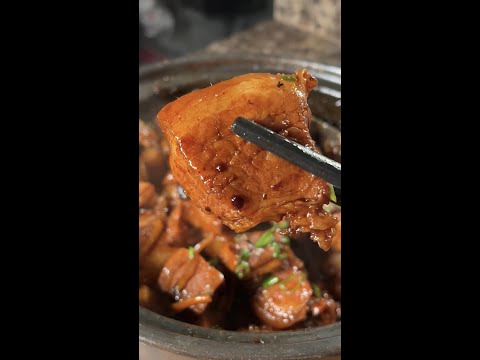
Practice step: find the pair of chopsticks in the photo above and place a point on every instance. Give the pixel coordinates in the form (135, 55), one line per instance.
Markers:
(305, 158)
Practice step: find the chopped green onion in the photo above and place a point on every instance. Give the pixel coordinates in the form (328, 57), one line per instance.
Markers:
(191, 252)
(289, 77)
(284, 239)
(242, 269)
(244, 254)
(333, 197)
(276, 249)
(265, 239)
(213, 262)
(284, 281)
(288, 280)
(269, 281)
(316, 291)
(283, 256)
(283, 224)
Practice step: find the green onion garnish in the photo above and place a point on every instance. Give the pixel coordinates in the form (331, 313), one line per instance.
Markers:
(276, 249)
(283, 256)
(281, 225)
(284, 239)
(290, 278)
(242, 269)
(269, 281)
(265, 239)
(244, 254)
(333, 197)
(289, 77)
(316, 291)
(191, 252)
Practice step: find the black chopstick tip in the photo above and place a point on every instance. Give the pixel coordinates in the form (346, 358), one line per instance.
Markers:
(295, 153)
(238, 126)
(237, 123)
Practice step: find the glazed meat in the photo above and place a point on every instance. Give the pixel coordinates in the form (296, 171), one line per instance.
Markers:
(150, 229)
(151, 219)
(249, 261)
(146, 195)
(190, 280)
(257, 256)
(284, 302)
(186, 223)
(324, 308)
(237, 181)
(337, 239)
(254, 254)
(198, 263)
(152, 158)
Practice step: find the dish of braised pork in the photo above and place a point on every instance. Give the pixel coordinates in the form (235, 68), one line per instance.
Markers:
(230, 235)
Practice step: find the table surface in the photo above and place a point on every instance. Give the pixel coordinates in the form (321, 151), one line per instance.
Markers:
(279, 40)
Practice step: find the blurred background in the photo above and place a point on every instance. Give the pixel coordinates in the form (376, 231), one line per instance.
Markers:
(298, 29)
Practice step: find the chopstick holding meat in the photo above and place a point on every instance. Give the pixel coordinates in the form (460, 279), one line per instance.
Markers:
(237, 181)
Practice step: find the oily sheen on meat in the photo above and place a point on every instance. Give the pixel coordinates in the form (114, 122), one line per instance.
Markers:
(237, 181)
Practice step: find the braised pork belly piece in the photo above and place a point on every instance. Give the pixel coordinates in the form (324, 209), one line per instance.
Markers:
(190, 280)
(237, 181)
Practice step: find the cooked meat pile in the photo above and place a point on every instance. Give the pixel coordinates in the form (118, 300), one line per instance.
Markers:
(196, 269)
(237, 181)
(153, 152)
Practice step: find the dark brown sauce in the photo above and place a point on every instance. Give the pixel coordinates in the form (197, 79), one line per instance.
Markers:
(221, 167)
(238, 201)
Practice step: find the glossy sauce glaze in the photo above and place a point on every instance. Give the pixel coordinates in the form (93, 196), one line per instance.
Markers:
(195, 268)
(237, 181)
